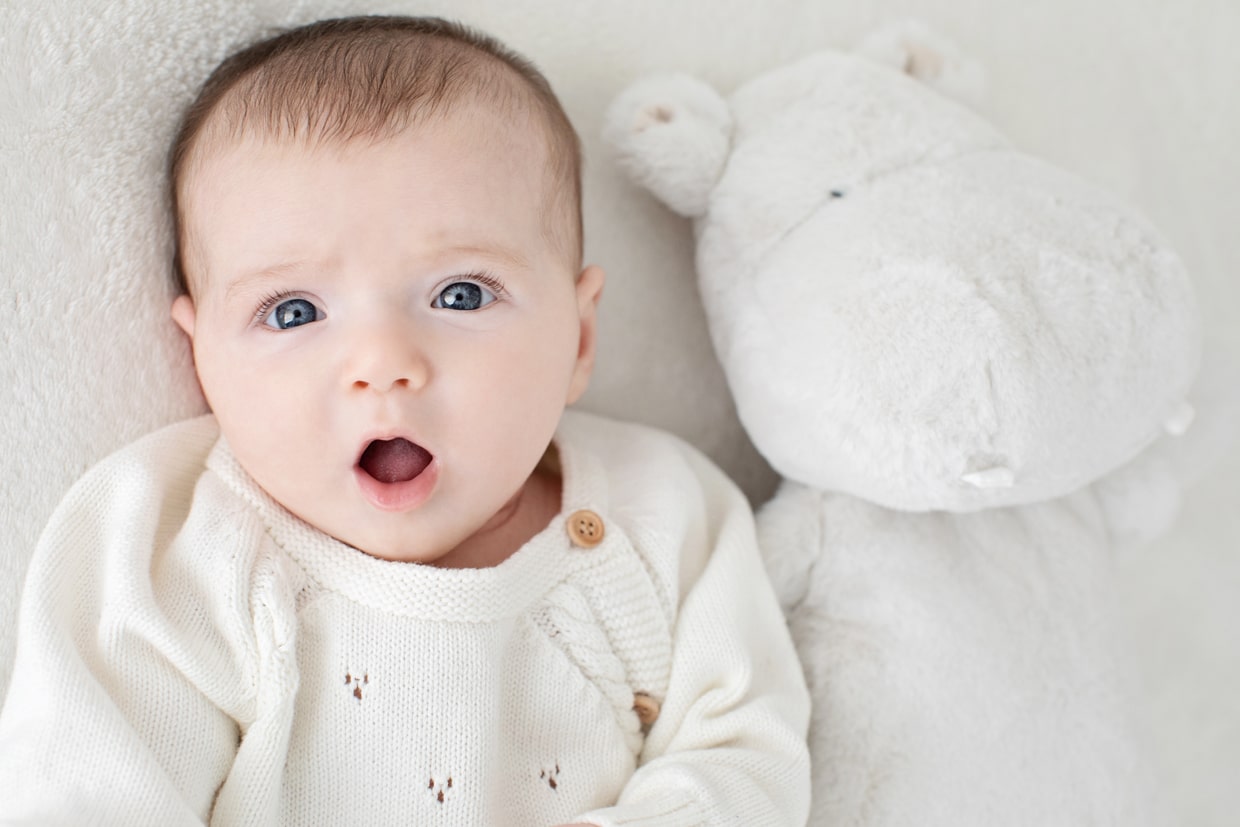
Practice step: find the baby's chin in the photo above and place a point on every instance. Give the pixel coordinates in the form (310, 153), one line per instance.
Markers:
(415, 537)
(482, 545)
(396, 549)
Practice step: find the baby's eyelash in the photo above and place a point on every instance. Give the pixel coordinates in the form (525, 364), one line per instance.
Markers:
(487, 280)
(268, 304)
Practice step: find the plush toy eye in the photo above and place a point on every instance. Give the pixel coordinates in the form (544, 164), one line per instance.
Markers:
(837, 193)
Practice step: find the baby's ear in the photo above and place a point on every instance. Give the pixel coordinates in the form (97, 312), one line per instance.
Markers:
(183, 313)
(589, 290)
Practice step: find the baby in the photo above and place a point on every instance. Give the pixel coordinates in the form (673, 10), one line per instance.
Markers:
(391, 580)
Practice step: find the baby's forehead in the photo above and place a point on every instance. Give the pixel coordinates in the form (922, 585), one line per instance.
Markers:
(478, 137)
(448, 155)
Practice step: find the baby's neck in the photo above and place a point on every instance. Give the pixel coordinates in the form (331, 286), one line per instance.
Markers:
(513, 526)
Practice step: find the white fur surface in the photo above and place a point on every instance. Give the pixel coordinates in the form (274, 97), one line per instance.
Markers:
(1138, 96)
(946, 342)
(963, 666)
(906, 308)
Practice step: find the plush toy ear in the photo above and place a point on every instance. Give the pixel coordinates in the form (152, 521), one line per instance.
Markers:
(913, 48)
(672, 134)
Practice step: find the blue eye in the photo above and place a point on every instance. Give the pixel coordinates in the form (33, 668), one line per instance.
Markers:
(463, 295)
(292, 313)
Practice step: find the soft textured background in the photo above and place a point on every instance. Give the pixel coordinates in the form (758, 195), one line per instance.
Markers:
(1142, 96)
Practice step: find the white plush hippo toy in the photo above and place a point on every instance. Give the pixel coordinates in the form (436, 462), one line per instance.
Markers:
(970, 368)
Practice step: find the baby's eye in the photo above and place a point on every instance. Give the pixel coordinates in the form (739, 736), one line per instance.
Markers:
(292, 313)
(463, 295)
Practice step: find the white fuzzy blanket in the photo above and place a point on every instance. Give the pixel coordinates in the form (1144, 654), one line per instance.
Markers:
(1138, 96)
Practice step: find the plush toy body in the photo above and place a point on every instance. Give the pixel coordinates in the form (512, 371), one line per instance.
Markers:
(965, 363)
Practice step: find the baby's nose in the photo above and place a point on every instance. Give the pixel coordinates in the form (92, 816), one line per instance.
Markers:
(387, 356)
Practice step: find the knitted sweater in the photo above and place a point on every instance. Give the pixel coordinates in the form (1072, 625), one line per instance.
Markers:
(191, 652)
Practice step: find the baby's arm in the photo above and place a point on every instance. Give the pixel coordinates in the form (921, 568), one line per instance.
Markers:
(115, 713)
(728, 746)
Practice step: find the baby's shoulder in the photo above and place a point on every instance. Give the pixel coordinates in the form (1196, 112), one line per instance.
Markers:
(143, 481)
(668, 498)
(147, 510)
(642, 460)
(150, 546)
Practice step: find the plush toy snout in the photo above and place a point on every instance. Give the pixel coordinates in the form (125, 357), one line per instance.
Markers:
(978, 332)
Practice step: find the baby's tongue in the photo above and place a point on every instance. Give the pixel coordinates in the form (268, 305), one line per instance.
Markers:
(394, 460)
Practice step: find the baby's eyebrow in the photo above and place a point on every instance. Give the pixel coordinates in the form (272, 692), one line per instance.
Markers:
(250, 277)
(496, 253)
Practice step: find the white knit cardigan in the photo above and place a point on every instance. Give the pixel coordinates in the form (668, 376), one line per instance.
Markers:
(190, 652)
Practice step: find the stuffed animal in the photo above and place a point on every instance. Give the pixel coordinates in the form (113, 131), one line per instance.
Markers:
(965, 364)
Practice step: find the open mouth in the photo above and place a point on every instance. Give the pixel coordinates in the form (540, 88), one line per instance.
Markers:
(394, 460)
(396, 474)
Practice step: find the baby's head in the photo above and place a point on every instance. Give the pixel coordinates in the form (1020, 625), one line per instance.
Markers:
(379, 253)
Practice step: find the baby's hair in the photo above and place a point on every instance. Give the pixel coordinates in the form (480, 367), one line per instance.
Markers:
(373, 77)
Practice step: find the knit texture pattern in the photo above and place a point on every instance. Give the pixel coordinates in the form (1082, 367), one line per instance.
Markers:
(193, 653)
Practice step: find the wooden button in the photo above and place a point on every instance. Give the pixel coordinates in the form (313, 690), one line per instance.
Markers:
(646, 707)
(585, 528)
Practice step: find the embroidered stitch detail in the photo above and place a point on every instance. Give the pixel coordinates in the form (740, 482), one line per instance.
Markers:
(357, 683)
(438, 788)
(551, 776)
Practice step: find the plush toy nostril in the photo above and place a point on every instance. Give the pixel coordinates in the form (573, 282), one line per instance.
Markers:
(1179, 421)
(1000, 476)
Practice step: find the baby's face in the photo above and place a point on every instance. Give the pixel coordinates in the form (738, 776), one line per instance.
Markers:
(383, 330)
